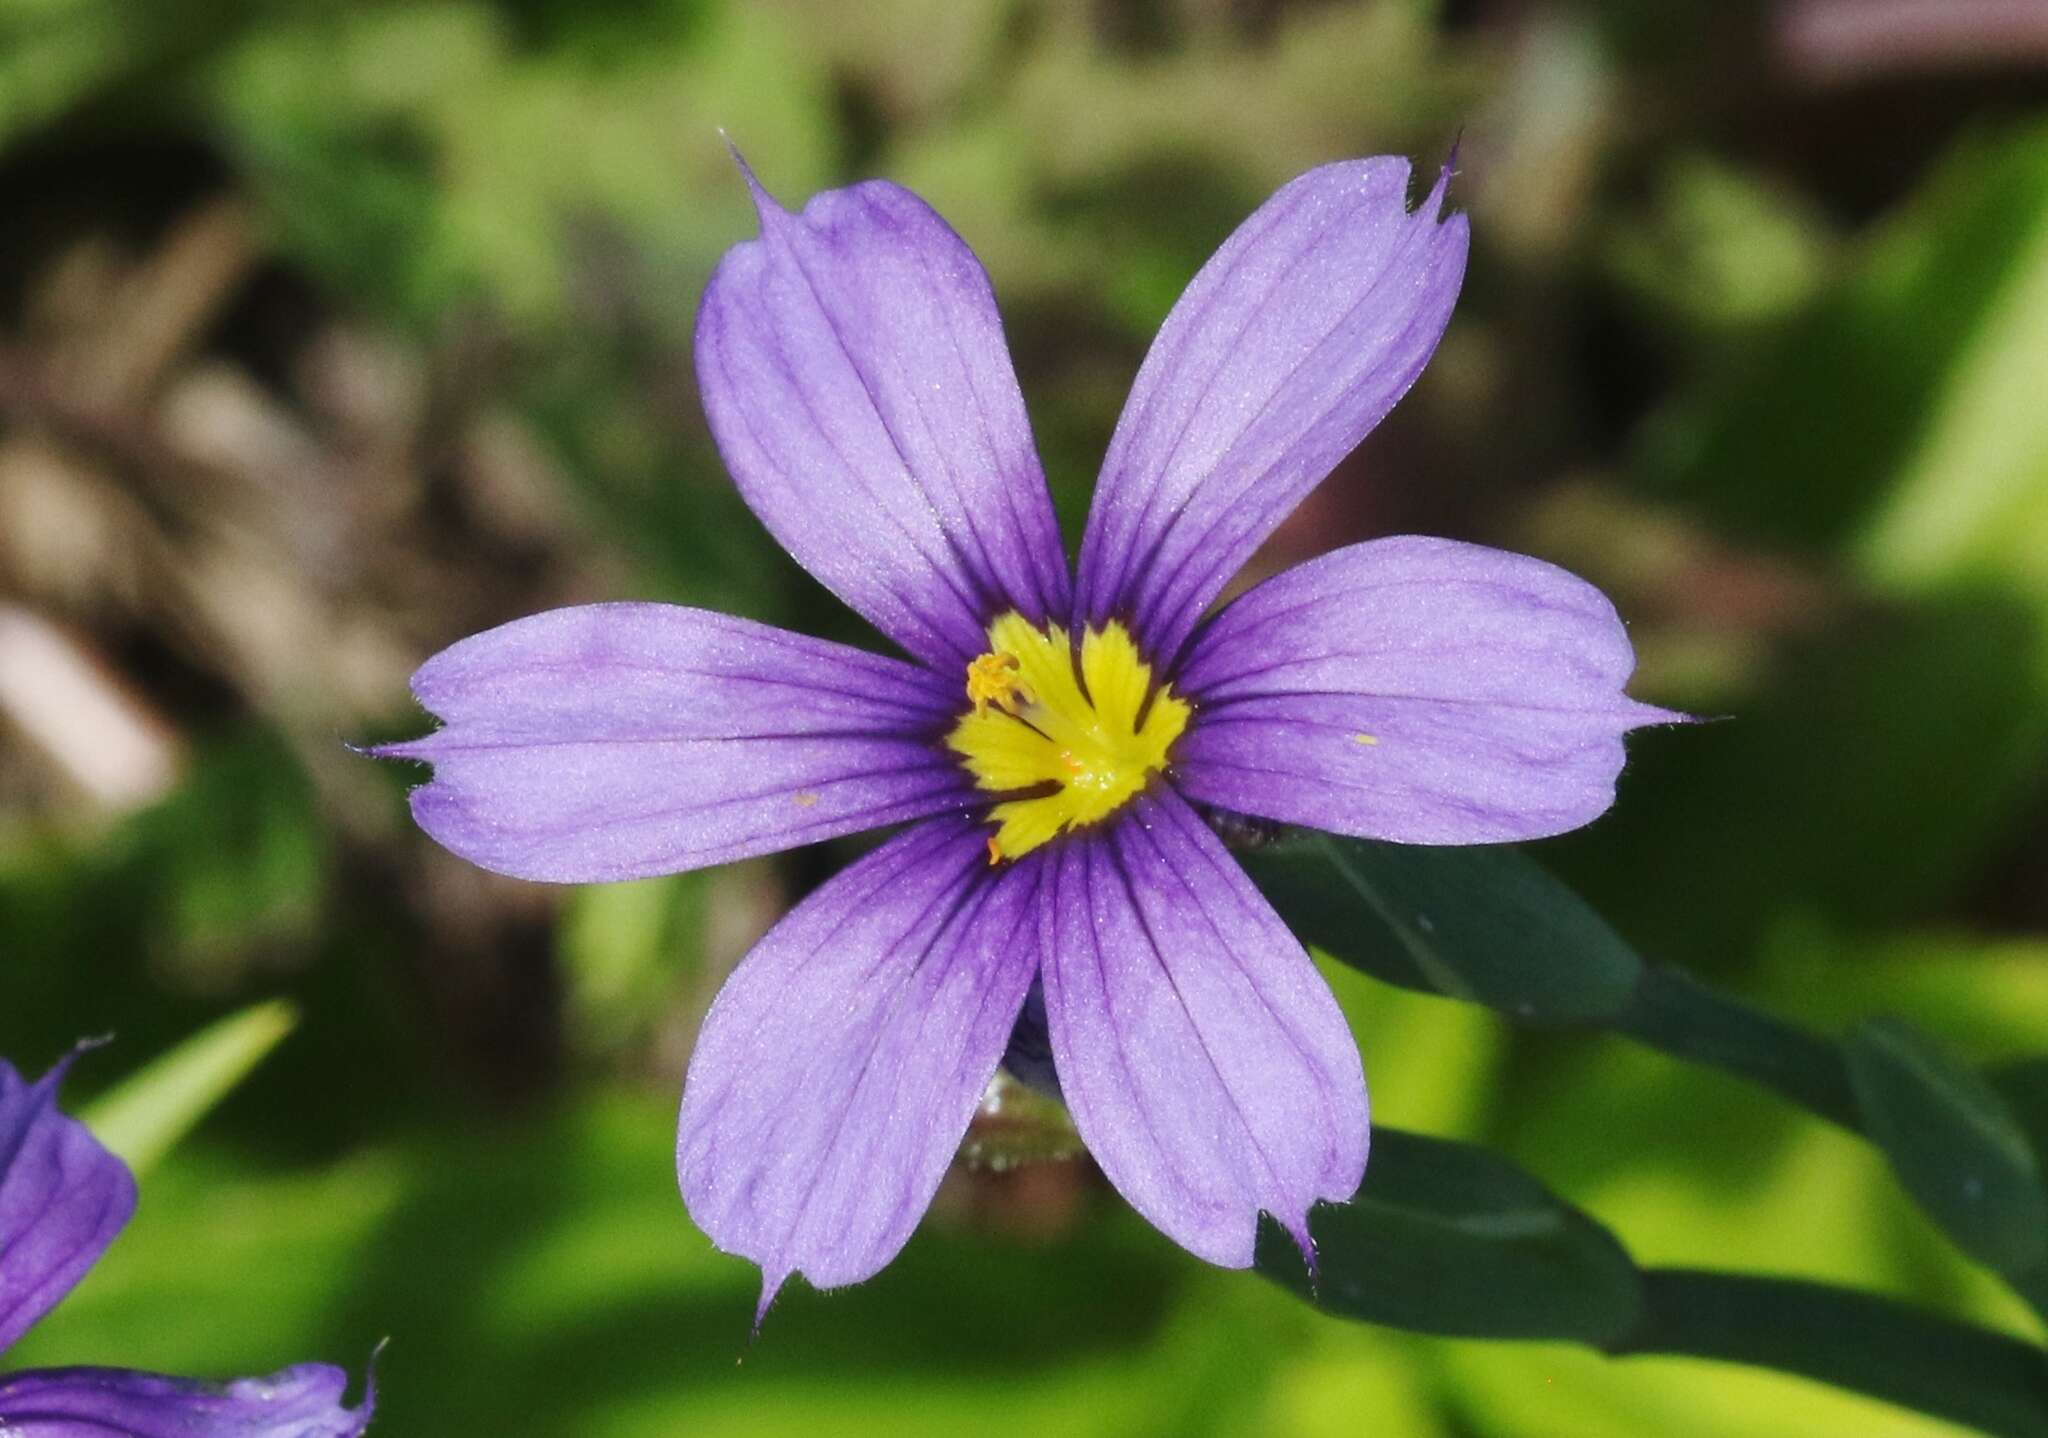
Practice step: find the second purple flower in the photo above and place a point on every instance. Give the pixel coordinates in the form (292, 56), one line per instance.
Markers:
(63, 1198)
(1051, 734)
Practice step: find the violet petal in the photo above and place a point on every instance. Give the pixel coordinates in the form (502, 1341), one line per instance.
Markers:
(301, 1402)
(855, 374)
(1204, 1059)
(1418, 690)
(838, 1069)
(1297, 336)
(615, 741)
(62, 1199)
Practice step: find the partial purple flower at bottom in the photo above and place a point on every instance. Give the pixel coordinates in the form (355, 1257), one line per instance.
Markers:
(1050, 738)
(63, 1198)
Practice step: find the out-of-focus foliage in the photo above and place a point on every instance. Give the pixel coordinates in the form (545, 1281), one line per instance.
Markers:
(147, 1115)
(331, 332)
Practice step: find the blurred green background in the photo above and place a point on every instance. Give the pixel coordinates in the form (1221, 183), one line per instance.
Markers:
(332, 332)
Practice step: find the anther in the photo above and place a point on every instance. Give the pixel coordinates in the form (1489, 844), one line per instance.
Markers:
(992, 679)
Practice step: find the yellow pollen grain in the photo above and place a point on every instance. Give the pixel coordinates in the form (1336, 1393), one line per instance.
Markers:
(992, 679)
(1364, 739)
(1072, 744)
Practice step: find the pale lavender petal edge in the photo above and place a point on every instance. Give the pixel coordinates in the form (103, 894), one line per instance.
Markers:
(618, 741)
(856, 379)
(1289, 346)
(1419, 690)
(300, 1402)
(63, 1198)
(839, 1066)
(1205, 1061)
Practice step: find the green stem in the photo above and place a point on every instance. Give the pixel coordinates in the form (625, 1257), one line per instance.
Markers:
(1852, 1340)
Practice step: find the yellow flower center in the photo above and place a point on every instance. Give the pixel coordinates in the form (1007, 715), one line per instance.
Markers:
(1075, 746)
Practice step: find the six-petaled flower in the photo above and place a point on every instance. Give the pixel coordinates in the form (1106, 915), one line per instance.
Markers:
(1054, 736)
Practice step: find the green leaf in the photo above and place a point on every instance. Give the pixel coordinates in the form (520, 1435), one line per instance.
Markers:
(1953, 269)
(1953, 1142)
(1719, 249)
(1490, 926)
(143, 1117)
(2024, 1085)
(1675, 1013)
(1448, 1238)
(623, 950)
(1927, 488)
(1853, 1340)
(1485, 924)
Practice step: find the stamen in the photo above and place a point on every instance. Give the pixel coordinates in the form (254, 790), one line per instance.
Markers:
(1076, 741)
(992, 679)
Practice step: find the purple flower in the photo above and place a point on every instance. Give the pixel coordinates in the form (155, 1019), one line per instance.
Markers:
(62, 1200)
(1051, 736)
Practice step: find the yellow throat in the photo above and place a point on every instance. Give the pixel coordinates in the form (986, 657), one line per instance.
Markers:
(1077, 745)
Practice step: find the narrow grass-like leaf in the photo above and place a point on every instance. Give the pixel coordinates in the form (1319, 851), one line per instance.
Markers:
(1485, 924)
(2023, 1084)
(1857, 1341)
(143, 1118)
(1954, 1143)
(1676, 1013)
(1447, 1238)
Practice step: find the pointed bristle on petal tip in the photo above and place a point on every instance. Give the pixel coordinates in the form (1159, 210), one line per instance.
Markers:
(369, 1402)
(1491, 686)
(622, 740)
(765, 204)
(771, 1289)
(1298, 1230)
(79, 1049)
(857, 383)
(1432, 206)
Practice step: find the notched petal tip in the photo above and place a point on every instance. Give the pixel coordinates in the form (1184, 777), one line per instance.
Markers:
(1432, 205)
(1298, 1230)
(1294, 340)
(855, 376)
(841, 1063)
(1243, 1092)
